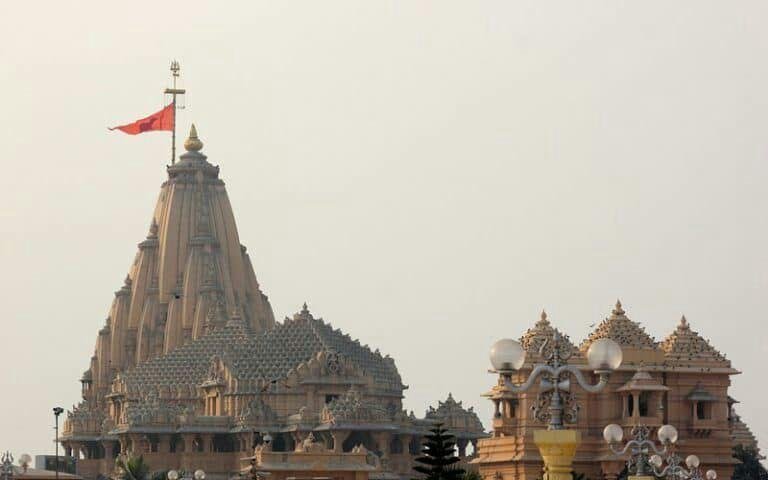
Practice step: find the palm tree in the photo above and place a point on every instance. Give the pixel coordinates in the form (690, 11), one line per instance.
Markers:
(133, 468)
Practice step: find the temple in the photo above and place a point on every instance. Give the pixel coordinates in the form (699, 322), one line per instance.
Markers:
(682, 380)
(192, 371)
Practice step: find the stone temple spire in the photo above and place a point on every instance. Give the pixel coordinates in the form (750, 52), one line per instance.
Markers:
(191, 262)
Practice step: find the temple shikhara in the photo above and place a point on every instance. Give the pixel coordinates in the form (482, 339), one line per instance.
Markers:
(192, 371)
(682, 380)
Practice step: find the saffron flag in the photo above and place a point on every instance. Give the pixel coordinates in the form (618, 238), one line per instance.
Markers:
(162, 120)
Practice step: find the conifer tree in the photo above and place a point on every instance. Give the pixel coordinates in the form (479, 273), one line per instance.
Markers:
(438, 455)
(750, 467)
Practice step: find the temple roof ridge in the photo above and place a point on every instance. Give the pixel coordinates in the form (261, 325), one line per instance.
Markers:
(620, 328)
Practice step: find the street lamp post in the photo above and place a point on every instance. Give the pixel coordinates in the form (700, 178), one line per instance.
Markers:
(646, 459)
(56, 412)
(640, 447)
(674, 471)
(556, 444)
(175, 475)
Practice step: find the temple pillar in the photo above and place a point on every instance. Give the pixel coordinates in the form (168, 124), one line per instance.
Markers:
(109, 449)
(189, 442)
(406, 441)
(461, 445)
(382, 442)
(75, 448)
(339, 437)
(207, 440)
(298, 439)
(137, 446)
(164, 444)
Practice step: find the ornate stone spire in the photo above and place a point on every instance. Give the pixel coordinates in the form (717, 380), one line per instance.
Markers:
(191, 260)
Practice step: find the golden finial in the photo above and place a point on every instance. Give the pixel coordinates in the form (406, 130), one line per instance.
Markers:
(192, 143)
(618, 311)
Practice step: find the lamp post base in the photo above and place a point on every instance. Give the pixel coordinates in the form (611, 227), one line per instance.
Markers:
(557, 448)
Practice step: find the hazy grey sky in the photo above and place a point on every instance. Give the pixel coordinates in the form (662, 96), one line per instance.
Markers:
(427, 175)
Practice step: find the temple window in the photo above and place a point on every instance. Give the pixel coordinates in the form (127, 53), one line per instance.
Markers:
(223, 443)
(643, 402)
(630, 405)
(703, 411)
(176, 443)
(330, 397)
(395, 445)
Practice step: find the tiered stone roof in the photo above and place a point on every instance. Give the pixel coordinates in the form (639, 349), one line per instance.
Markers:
(260, 358)
(621, 329)
(686, 346)
(533, 339)
(741, 433)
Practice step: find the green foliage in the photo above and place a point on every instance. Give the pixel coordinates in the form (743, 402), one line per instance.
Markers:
(438, 456)
(134, 468)
(580, 476)
(471, 475)
(750, 467)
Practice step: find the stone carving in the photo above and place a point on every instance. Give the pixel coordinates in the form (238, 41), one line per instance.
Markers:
(310, 445)
(256, 412)
(352, 408)
(151, 410)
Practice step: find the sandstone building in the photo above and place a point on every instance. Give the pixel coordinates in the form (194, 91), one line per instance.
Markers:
(682, 380)
(191, 369)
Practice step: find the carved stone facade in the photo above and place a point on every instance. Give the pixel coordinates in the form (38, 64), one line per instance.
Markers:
(682, 380)
(192, 371)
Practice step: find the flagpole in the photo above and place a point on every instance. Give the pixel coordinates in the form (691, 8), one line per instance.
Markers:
(175, 68)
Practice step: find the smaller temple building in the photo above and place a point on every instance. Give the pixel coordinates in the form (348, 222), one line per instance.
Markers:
(682, 380)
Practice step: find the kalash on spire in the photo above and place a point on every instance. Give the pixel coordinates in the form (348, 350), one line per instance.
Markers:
(190, 362)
